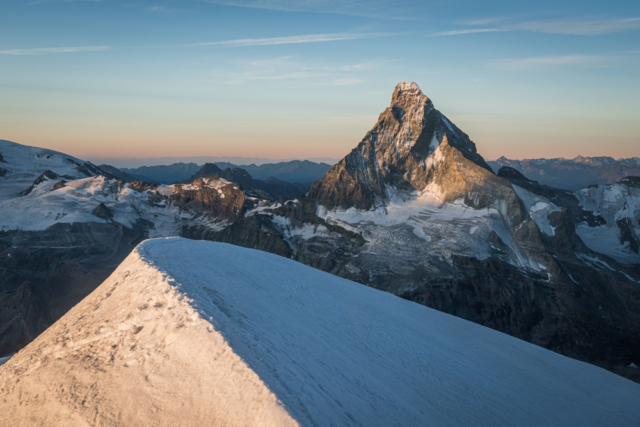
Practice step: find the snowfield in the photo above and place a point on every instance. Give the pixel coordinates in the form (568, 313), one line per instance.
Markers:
(24, 164)
(200, 333)
(46, 206)
(613, 202)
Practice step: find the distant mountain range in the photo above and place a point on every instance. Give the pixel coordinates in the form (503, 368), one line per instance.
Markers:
(572, 174)
(294, 171)
(270, 188)
(200, 160)
(164, 174)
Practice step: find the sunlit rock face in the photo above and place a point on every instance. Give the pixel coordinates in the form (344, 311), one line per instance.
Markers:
(398, 156)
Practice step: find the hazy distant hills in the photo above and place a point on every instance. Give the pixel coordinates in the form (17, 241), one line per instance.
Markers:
(200, 160)
(269, 189)
(295, 171)
(573, 174)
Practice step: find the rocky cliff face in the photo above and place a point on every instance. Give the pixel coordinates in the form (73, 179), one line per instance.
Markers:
(394, 156)
(45, 273)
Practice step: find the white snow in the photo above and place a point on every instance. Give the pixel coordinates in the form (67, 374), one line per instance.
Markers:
(435, 229)
(594, 262)
(401, 210)
(418, 231)
(539, 209)
(25, 164)
(306, 231)
(75, 202)
(613, 202)
(166, 190)
(202, 333)
(433, 146)
(605, 239)
(448, 124)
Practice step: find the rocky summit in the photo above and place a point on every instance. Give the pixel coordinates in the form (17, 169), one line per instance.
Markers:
(396, 156)
(413, 210)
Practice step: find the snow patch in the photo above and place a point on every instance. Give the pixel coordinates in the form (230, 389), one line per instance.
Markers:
(539, 209)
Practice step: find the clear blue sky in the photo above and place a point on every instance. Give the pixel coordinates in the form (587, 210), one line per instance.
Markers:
(285, 79)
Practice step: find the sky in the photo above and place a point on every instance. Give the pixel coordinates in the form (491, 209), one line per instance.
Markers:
(302, 79)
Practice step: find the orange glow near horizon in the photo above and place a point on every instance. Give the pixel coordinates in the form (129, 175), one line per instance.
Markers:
(325, 138)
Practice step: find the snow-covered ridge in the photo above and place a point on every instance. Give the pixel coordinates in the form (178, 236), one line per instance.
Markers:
(539, 209)
(24, 164)
(616, 203)
(198, 332)
(75, 202)
(40, 188)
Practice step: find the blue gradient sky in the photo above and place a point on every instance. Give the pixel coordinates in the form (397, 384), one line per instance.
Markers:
(284, 79)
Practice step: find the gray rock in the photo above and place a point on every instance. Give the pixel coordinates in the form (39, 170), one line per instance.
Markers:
(103, 212)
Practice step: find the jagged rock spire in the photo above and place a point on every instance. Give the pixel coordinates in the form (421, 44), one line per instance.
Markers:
(397, 155)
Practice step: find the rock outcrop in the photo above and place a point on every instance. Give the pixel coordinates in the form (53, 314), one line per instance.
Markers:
(103, 212)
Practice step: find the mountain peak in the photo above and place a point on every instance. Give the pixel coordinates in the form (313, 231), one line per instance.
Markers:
(408, 93)
(397, 156)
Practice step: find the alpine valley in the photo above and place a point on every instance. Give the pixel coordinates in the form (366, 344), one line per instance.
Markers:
(413, 210)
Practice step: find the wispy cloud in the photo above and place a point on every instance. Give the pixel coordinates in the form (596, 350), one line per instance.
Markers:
(485, 21)
(581, 28)
(292, 68)
(341, 82)
(552, 61)
(572, 27)
(469, 31)
(60, 1)
(50, 50)
(158, 9)
(311, 38)
(408, 10)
